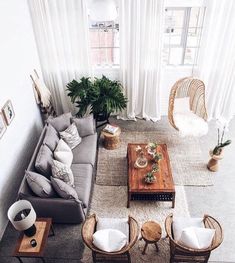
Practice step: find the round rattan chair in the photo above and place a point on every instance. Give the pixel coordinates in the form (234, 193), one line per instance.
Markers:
(195, 90)
(180, 253)
(88, 229)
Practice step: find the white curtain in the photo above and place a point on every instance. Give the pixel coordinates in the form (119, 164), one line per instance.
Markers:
(141, 34)
(61, 33)
(217, 59)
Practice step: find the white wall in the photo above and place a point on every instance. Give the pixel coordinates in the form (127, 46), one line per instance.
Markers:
(17, 59)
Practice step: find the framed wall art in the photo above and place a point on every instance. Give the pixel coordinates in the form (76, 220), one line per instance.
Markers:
(3, 126)
(8, 112)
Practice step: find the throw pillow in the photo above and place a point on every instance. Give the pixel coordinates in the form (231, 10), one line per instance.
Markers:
(39, 184)
(63, 172)
(120, 224)
(51, 138)
(85, 126)
(197, 238)
(61, 122)
(109, 240)
(179, 223)
(44, 161)
(63, 153)
(64, 190)
(71, 136)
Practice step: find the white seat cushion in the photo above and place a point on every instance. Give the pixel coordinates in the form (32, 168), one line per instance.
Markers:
(120, 224)
(109, 240)
(189, 124)
(180, 223)
(197, 238)
(63, 153)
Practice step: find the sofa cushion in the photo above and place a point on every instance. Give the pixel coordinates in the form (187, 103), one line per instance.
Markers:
(51, 138)
(39, 184)
(61, 122)
(85, 125)
(85, 152)
(63, 172)
(179, 223)
(120, 224)
(64, 190)
(109, 240)
(71, 136)
(44, 161)
(196, 237)
(83, 181)
(63, 153)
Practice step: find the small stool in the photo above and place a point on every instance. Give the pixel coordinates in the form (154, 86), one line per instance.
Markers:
(151, 233)
(111, 141)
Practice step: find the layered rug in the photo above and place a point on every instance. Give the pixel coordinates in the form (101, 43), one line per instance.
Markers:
(188, 166)
(110, 201)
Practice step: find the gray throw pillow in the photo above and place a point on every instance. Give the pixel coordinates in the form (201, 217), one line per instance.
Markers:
(71, 136)
(63, 172)
(61, 122)
(51, 138)
(64, 190)
(39, 184)
(85, 126)
(44, 161)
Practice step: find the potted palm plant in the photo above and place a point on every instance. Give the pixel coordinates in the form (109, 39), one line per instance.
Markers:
(100, 97)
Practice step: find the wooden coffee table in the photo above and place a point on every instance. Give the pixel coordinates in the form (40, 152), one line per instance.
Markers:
(162, 189)
(25, 250)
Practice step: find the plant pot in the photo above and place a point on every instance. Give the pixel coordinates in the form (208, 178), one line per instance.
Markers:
(102, 116)
(213, 164)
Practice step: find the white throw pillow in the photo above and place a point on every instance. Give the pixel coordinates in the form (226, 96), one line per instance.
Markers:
(120, 224)
(63, 153)
(71, 136)
(197, 238)
(63, 172)
(180, 223)
(189, 124)
(181, 105)
(109, 240)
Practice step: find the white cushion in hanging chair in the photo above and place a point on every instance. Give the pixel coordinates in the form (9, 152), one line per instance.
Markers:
(189, 124)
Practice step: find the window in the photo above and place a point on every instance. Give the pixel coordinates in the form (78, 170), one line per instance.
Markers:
(182, 34)
(104, 41)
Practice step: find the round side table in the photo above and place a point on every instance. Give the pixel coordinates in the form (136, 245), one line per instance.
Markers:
(111, 141)
(151, 233)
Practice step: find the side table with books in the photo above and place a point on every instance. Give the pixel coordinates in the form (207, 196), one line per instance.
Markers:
(111, 135)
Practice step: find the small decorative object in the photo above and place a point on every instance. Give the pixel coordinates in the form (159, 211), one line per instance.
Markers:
(155, 168)
(8, 112)
(141, 161)
(33, 243)
(217, 153)
(150, 178)
(157, 157)
(3, 126)
(22, 216)
(151, 148)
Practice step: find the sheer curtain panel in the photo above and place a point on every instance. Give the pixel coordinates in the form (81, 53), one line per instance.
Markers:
(217, 59)
(141, 34)
(61, 33)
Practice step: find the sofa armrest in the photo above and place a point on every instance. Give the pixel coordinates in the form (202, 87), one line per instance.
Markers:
(60, 210)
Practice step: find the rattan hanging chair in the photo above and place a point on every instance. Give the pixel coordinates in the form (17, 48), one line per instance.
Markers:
(195, 90)
(180, 253)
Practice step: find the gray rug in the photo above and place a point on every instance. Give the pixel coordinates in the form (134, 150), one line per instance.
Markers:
(110, 201)
(188, 165)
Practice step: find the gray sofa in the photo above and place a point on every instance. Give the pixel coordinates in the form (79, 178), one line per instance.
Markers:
(59, 209)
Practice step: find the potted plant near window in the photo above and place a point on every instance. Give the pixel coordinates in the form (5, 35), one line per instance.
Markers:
(100, 97)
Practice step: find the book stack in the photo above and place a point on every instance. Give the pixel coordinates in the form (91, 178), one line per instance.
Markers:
(110, 129)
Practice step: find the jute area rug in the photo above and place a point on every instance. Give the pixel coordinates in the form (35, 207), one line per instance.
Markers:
(188, 165)
(110, 201)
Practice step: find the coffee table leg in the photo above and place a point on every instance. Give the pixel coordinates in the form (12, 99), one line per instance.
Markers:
(173, 201)
(52, 231)
(128, 200)
(145, 247)
(156, 247)
(20, 259)
(43, 260)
